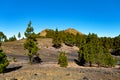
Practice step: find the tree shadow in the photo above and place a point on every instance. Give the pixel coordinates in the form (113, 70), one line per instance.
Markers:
(78, 62)
(7, 70)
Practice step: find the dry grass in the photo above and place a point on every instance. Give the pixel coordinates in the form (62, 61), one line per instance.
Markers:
(52, 71)
(44, 71)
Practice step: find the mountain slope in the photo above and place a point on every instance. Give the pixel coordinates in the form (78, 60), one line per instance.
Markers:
(46, 52)
(73, 31)
(69, 30)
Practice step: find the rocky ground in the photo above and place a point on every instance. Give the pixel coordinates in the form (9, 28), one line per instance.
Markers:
(49, 69)
(52, 71)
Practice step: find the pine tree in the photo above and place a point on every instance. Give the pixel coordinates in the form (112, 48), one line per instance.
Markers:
(30, 43)
(117, 42)
(81, 56)
(2, 37)
(99, 55)
(109, 61)
(62, 59)
(13, 38)
(69, 39)
(90, 54)
(50, 33)
(91, 47)
(57, 39)
(3, 60)
(78, 40)
(19, 35)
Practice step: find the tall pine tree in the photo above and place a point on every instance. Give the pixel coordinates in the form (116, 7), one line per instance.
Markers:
(30, 43)
(19, 35)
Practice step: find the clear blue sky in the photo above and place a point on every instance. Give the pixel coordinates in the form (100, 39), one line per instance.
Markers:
(96, 16)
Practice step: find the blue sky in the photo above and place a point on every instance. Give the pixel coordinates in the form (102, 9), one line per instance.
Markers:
(95, 16)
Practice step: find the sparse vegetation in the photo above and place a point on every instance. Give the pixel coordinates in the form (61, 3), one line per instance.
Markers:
(13, 59)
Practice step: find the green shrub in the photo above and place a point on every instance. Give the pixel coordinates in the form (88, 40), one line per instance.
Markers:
(62, 59)
(14, 59)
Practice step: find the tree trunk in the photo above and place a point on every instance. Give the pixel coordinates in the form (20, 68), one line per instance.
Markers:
(90, 64)
(98, 64)
(30, 57)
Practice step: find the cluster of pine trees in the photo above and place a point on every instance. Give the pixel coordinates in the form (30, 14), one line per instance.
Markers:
(4, 38)
(81, 39)
(92, 49)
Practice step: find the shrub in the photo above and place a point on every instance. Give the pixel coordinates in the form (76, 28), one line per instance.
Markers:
(62, 59)
(14, 59)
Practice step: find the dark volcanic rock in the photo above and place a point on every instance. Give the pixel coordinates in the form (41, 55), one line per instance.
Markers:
(36, 59)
